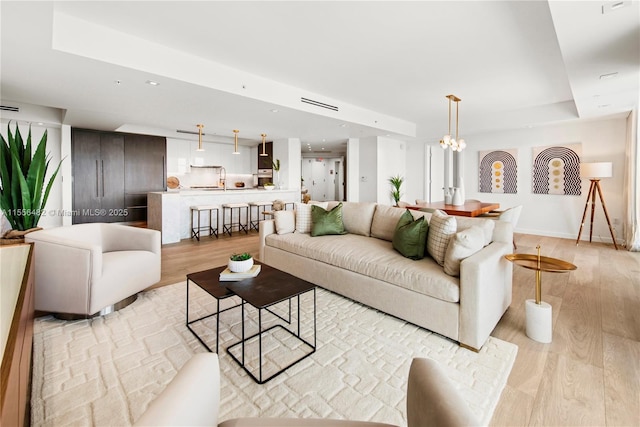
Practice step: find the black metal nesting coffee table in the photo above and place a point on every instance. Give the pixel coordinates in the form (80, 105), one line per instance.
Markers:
(269, 288)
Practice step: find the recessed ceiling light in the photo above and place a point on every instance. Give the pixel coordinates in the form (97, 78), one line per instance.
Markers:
(117, 82)
(604, 105)
(609, 76)
(343, 125)
(152, 83)
(275, 110)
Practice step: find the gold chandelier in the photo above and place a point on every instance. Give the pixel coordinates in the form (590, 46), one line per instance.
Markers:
(448, 141)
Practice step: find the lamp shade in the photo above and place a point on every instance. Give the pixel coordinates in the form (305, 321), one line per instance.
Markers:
(596, 170)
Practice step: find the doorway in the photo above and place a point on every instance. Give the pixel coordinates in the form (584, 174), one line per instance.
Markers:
(323, 178)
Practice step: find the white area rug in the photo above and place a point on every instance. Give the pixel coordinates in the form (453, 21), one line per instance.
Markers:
(104, 372)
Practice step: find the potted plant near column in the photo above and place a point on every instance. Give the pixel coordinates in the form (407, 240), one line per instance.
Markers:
(396, 183)
(276, 168)
(23, 194)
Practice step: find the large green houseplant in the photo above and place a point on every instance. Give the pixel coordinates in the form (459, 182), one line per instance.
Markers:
(23, 194)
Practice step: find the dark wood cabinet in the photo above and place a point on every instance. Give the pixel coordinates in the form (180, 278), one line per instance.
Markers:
(265, 162)
(144, 171)
(97, 162)
(112, 174)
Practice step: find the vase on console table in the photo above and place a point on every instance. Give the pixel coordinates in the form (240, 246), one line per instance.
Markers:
(447, 196)
(457, 199)
(461, 189)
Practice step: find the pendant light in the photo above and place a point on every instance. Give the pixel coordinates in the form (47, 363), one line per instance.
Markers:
(200, 137)
(448, 141)
(235, 135)
(263, 154)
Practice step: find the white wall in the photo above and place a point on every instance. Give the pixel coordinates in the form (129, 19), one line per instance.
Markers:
(353, 169)
(391, 161)
(556, 215)
(368, 160)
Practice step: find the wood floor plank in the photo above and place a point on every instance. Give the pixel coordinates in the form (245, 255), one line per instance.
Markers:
(620, 315)
(571, 393)
(622, 380)
(514, 408)
(578, 331)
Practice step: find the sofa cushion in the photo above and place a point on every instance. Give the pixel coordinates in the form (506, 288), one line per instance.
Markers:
(303, 215)
(462, 245)
(357, 217)
(487, 226)
(385, 219)
(441, 228)
(326, 222)
(285, 221)
(375, 258)
(410, 236)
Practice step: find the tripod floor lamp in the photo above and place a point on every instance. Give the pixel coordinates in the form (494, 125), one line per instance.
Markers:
(595, 171)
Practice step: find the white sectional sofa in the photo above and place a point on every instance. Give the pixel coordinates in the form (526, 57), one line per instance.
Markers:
(364, 266)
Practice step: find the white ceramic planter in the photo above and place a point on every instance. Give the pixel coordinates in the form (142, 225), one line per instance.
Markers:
(240, 266)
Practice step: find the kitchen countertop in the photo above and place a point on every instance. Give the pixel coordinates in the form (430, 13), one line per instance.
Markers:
(169, 211)
(195, 191)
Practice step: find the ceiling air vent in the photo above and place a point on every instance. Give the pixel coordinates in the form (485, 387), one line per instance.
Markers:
(190, 132)
(319, 104)
(9, 108)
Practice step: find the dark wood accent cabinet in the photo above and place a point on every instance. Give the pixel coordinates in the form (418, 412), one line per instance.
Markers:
(265, 162)
(97, 161)
(112, 174)
(144, 171)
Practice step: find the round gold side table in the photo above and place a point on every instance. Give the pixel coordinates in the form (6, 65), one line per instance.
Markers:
(538, 312)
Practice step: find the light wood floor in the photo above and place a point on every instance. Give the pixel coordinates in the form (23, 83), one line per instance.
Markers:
(589, 375)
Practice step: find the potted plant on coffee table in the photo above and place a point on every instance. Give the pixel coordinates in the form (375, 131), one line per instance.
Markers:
(23, 194)
(240, 262)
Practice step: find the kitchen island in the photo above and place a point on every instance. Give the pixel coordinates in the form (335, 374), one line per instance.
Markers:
(168, 211)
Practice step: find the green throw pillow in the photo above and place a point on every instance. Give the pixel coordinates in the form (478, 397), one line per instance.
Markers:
(410, 236)
(325, 222)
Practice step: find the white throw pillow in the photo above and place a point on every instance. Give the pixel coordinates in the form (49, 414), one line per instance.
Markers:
(441, 228)
(462, 245)
(285, 221)
(303, 215)
(487, 225)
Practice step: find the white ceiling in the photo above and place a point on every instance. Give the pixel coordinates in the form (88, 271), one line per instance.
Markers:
(387, 65)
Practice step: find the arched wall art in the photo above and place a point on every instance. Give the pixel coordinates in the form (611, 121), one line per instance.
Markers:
(498, 171)
(556, 170)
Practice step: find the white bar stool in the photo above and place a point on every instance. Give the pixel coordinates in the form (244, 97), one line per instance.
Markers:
(255, 223)
(195, 231)
(227, 227)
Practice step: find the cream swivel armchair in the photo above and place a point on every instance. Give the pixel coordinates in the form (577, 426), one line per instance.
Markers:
(90, 269)
(192, 398)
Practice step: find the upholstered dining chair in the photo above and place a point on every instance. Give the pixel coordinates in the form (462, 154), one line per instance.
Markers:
(511, 215)
(193, 397)
(84, 270)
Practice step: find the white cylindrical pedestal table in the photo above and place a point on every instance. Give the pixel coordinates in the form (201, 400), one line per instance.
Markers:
(539, 321)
